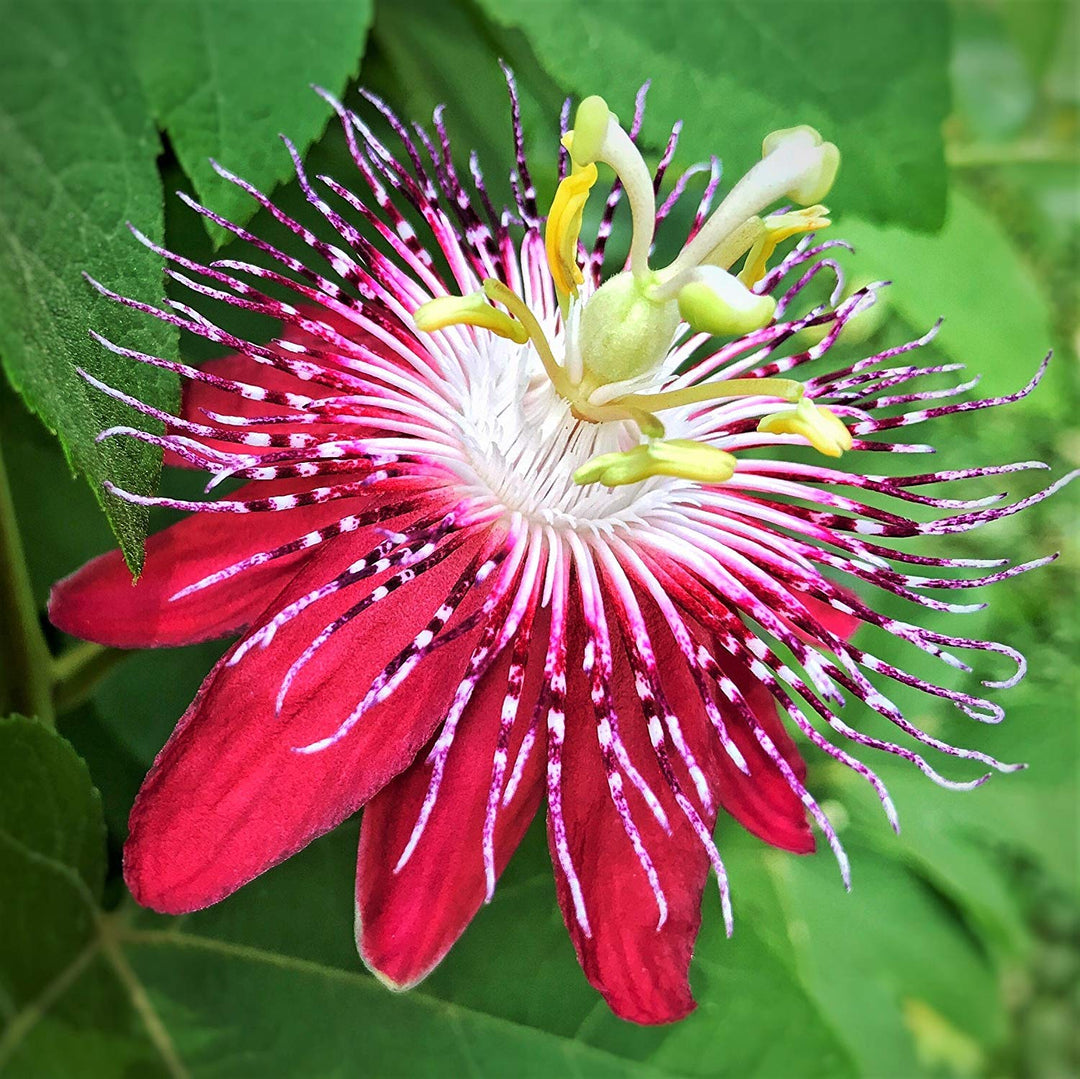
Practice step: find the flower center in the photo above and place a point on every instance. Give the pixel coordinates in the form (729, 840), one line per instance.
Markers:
(616, 340)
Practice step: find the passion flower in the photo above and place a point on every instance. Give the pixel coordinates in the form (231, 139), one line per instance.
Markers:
(514, 531)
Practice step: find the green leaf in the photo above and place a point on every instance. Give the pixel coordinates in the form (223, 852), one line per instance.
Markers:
(755, 1017)
(871, 77)
(239, 1008)
(1038, 28)
(77, 152)
(224, 79)
(53, 507)
(52, 857)
(997, 319)
(889, 965)
(212, 1005)
(516, 962)
(241, 987)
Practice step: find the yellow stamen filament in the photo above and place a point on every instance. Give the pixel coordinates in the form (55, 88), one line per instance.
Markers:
(777, 228)
(785, 388)
(500, 293)
(564, 227)
(470, 310)
(735, 244)
(679, 457)
(823, 429)
(650, 426)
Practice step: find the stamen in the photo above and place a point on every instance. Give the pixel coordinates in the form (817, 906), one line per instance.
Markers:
(786, 388)
(470, 310)
(679, 457)
(777, 228)
(500, 293)
(823, 429)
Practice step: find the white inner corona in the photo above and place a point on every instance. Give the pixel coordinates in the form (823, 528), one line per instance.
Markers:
(522, 444)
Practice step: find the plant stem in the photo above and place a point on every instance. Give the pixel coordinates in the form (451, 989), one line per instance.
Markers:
(77, 671)
(25, 661)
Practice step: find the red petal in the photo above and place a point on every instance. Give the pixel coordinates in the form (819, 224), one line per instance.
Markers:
(228, 797)
(836, 622)
(762, 802)
(406, 922)
(640, 970)
(100, 603)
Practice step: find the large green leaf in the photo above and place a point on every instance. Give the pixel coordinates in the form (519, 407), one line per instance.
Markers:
(77, 152)
(997, 319)
(890, 964)
(224, 79)
(871, 77)
(242, 987)
(52, 858)
(203, 1000)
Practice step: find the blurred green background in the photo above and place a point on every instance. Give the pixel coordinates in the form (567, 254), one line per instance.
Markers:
(956, 954)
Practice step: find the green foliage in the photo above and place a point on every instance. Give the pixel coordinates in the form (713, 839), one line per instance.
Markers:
(79, 147)
(77, 161)
(52, 859)
(735, 72)
(996, 317)
(223, 80)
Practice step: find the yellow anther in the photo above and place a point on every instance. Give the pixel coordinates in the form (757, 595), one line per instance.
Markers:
(823, 429)
(564, 227)
(470, 310)
(776, 229)
(679, 457)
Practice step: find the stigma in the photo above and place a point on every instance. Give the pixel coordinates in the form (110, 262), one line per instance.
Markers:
(607, 356)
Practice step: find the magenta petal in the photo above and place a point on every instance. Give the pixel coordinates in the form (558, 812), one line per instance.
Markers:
(228, 796)
(407, 921)
(100, 603)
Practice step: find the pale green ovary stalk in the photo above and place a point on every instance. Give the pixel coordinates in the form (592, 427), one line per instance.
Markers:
(625, 328)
